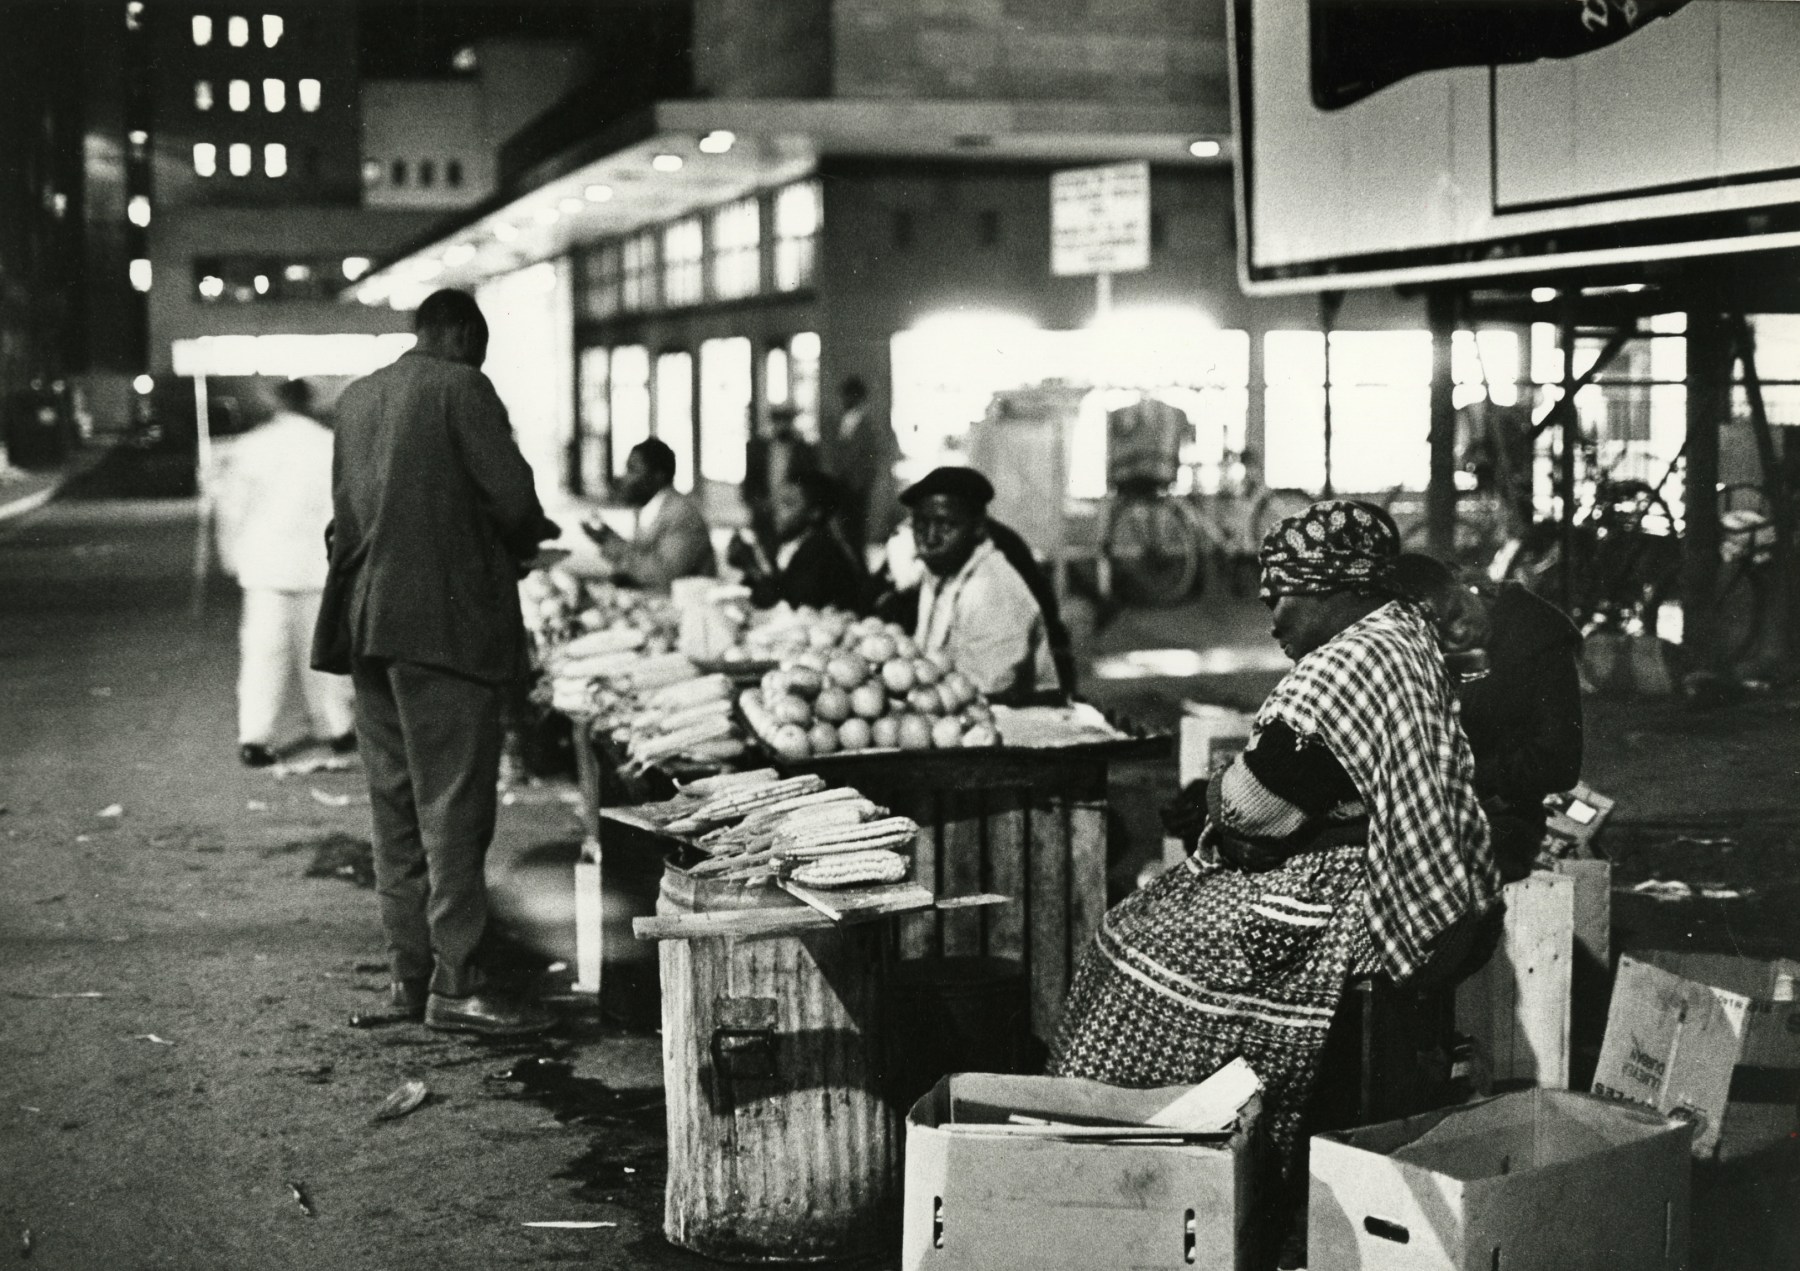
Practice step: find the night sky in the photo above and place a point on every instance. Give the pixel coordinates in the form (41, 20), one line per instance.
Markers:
(407, 38)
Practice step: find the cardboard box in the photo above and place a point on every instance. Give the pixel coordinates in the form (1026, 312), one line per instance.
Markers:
(1540, 1180)
(991, 1201)
(1710, 1038)
(1517, 1006)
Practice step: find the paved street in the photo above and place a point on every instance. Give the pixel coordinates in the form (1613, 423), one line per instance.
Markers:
(167, 1121)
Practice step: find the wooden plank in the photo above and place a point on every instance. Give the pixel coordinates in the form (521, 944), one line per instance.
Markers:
(918, 936)
(1517, 1007)
(840, 903)
(960, 870)
(1087, 875)
(1008, 847)
(1047, 917)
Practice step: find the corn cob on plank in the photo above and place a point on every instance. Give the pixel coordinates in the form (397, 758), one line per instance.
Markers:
(850, 869)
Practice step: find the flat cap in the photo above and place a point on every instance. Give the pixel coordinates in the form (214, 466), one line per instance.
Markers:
(960, 483)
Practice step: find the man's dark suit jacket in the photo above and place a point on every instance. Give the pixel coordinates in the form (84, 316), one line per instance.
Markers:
(433, 512)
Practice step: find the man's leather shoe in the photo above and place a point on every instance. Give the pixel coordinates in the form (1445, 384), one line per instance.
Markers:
(344, 744)
(489, 1014)
(253, 755)
(408, 997)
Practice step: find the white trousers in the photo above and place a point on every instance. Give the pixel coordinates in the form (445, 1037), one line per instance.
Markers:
(274, 647)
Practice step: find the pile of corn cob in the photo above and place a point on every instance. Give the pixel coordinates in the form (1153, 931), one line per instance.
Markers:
(761, 828)
(689, 719)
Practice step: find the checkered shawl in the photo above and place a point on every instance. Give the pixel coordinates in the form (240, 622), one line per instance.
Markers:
(1377, 695)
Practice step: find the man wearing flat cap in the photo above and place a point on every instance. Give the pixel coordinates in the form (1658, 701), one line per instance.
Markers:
(974, 605)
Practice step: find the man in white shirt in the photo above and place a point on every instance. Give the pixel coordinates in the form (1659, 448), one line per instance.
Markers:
(273, 498)
(974, 606)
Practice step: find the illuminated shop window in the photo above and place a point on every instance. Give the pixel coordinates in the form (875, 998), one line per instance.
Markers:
(203, 94)
(725, 404)
(275, 162)
(630, 401)
(797, 219)
(272, 26)
(238, 94)
(1380, 409)
(803, 382)
(638, 291)
(778, 375)
(274, 96)
(675, 413)
(683, 246)
(206, 159)
(601, 281)
(737, 250)
(240, 159)
(309, 92)
(202, 27)
(237, 31)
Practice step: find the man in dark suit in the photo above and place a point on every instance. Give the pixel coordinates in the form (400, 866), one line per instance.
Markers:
(434, 516)
(671, 540)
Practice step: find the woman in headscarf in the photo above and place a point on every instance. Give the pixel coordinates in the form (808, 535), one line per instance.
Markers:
(1345, 840)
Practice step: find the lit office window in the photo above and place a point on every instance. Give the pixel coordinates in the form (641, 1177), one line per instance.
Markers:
(796, 235)
(630, 393)
(202, 29)
(725, 401)
(134, 15)
(638, 290)
(138, 210)
(140, 274)
(237, 31)
(275, 159)
(600, 281)
(203, 95)
(684, 277)
(206, 159)
(237, 94)
(272, 27)
(240, 159)
(211, 287)
(274, 96)
(309, 95)
(737, 250)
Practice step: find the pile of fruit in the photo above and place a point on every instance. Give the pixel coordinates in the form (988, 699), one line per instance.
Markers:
(558, 607)
(863, 685)
(783, 632)
(757, 827)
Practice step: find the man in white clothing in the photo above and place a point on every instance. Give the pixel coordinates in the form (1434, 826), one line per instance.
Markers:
(974, 606)
(272, 495)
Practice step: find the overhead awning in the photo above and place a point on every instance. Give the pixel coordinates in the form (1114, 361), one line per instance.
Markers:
(680, 156)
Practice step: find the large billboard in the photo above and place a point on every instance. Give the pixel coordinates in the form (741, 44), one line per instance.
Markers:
(1680, 139)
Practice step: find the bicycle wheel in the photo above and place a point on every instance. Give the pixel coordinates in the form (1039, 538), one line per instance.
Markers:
(1154, 551)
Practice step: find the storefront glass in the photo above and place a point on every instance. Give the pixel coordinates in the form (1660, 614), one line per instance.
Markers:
(725, 406)
(674, 406)
(596, 419)
(630, 402)
(736, 250)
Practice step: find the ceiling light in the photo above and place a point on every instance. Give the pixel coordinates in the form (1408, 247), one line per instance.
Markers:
(137, 211)
(547, 215)
(718, 141)
(570, 205)
(1543, 295)
(1205, 148)
(426, 270)
(666, 162)
(261, 283)
(137, 136)
(355, 267)
(461, 254)
(505, 231)
(212, 286)
(597, 193)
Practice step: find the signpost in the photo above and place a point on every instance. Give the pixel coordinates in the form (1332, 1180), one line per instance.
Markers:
(1099, 225)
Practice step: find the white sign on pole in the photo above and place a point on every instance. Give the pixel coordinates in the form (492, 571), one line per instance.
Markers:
(1100, 220)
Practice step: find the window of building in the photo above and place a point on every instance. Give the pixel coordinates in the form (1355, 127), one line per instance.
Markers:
(274, 96)
(638, 291)
(270, 279)
(778, 375)
(271, 27)
(601, 281)
(594, 428)
(427, 173)
(275, 161)
(796, 234)
(736, 252)
(397, 172)
(240, 159)
(1380, 383)
(803, 382)
(675, 413)
(453, 173)
(309, 93)
(684, 278)
(140, 274)
(206, 159)
(630, 392)
(237, 94)
(202, 30)
(237, 31)
(725, 403)
(203, 94)
(137, 211)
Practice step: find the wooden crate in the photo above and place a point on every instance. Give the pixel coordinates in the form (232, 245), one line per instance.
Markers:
(1517, 1007)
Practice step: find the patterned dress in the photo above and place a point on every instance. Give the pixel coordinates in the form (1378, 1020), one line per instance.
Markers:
(1210, 962)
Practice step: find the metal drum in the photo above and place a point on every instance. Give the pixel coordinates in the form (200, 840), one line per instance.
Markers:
(781, 1148)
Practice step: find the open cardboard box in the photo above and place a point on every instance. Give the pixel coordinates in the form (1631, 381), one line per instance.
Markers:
(1541, 1180)
(977, 1197)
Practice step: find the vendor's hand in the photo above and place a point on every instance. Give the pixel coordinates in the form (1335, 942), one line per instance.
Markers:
(601, 532)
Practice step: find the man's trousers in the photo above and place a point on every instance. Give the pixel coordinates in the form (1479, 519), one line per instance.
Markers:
(274, 643)
(431, 745)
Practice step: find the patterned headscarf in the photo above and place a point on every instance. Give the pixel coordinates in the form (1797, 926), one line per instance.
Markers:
(1335, 545)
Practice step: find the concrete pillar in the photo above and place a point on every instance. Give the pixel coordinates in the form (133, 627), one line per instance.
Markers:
(1709, 362)
(1440, 494)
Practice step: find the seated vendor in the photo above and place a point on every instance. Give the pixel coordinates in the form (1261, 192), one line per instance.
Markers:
(671, 540)
(1347, 840)
(974, 606)
(813, 563)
